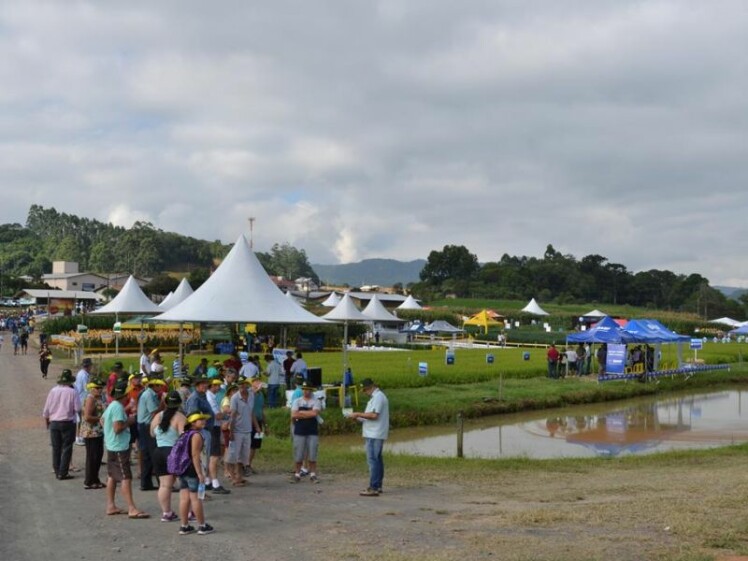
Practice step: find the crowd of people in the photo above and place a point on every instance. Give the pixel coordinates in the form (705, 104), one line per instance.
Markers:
(180, 431)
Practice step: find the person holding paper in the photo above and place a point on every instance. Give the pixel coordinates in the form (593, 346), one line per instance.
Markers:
(375, 429)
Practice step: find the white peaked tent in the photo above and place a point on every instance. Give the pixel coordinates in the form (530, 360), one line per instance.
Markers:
(332, 300)
(183, 291)
(164, 305)
(346, 311)
(375, 311)
(239, 291)
(533, 308)
(292, 298)
(130, 300)
(595, 314)
(727, 321)
(410, 304)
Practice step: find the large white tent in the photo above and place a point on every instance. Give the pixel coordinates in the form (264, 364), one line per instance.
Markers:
(130, 300)
(595, 314)
(534, 308)
(183, 291)
(410, 303)
(375, 311)
(239, 291)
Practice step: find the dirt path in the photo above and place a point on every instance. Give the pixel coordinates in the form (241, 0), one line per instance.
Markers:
(687, 510)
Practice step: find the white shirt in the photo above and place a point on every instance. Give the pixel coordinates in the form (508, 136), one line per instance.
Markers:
(81, 380)
(275, 373)
(249, 370)
(380, 427)
(145, 364)
(299, 367)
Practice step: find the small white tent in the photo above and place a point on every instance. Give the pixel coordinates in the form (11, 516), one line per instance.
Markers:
(727, 321)
(332, 300)
(376, 311)
(410, 303)
(595, 314)
(183, 291)
(533, 308)
(130, 300)
(346, 311)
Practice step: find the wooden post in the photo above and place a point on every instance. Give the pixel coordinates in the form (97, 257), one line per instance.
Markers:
(460, 431)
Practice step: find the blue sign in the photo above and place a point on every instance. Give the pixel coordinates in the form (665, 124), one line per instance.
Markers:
(489, 358)
(615, 363)
(449, 357)
(697, 344)
(423, 368)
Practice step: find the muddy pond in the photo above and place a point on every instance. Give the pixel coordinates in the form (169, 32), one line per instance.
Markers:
(638, 426)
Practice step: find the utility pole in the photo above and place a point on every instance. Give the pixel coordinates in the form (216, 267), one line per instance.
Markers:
(251, 232)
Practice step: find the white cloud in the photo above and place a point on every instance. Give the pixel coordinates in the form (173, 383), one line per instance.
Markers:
(389, 129)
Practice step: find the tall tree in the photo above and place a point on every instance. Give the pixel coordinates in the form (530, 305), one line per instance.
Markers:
(452, 262)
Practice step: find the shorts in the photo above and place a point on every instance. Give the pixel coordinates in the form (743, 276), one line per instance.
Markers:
(256, 443)
(305, 447)
(215, 441)
(160, 455)
(188, 482)
(238, 450)
(118, 465)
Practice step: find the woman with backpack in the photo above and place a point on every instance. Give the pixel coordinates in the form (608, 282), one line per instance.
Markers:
(186, 452)
(166, 427)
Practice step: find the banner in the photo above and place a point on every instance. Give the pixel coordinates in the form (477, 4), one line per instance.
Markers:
(615, 363)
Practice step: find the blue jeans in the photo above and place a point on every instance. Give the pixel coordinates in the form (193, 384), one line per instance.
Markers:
(273, 395)
(376, 463)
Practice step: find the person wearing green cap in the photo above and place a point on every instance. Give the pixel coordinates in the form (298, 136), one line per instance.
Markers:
(60, 412)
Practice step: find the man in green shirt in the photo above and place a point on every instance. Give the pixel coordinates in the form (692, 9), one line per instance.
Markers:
(117, 442)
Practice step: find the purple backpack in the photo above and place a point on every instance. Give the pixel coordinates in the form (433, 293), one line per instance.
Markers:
(180, 456)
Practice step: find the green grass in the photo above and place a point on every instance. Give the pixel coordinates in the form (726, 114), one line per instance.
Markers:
(471, 386)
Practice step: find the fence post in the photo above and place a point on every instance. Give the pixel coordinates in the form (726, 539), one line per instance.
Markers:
(460, 430)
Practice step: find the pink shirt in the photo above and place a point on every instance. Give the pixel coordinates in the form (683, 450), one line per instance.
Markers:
(62, 404)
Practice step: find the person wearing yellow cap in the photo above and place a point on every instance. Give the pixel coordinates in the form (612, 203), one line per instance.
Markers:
(93, 433)
(148, 405)
(191, 480)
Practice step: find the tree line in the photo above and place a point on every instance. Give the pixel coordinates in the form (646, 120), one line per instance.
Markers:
(142, 250)
(564, 279)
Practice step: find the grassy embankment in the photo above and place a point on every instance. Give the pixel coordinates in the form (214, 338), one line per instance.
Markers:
(471, 386)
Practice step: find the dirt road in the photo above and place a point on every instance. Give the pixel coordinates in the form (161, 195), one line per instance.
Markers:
(683, 508)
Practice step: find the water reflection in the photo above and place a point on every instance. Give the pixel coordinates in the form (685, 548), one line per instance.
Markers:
(646, 425)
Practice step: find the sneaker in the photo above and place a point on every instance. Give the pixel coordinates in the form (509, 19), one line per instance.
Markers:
(184, 530)
(205, 529)
(313, 478)
(369, 492)
(221, 490)
(169, 517)
(80, 441)
(296, 478)
(304, 472)
(208, 486)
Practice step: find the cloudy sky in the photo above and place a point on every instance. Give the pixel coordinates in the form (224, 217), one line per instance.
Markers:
(359, 129)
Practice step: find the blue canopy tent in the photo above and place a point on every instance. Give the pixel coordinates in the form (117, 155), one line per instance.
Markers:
(652, 331)
(605, 331)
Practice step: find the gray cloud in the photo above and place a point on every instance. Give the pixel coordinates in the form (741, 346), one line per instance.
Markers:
(389, 129)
